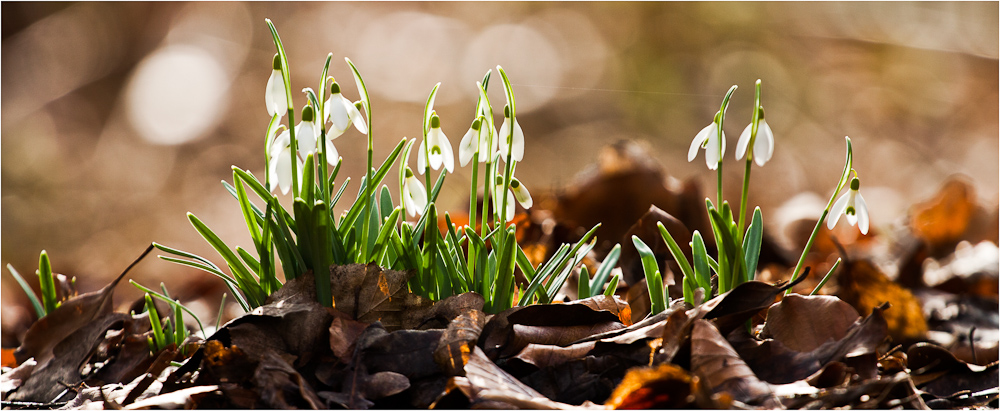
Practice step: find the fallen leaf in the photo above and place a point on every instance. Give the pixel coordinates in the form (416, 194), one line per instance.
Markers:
(369, 293)
(803, 323)
(937, 372)
(69, 317)
(280, 386)
(722, 369)
(456, 344)
(742, 303)
(864, 286)
(485, 383)
(647, 231)
(552, 324)
(69, 355)
(186, 398)
(344, 331)
(589, 379)
(942, 220)
(615, 192)
(772, 361)
(13, 379)
(665, 386)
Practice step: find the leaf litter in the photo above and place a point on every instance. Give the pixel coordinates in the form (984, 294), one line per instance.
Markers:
(867, 341)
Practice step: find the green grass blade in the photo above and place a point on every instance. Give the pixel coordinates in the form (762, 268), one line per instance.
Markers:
(752, 241)
(250, 287)
(39, 308)
(612, 286)
(702, 275)
(167, 299)
(654, 280)
(825, 278)
(230, 283)
(675, 251)
(608, 265)
(47, 283)
(358, 207)
(583, 285)
(249, 259)
(159, 338)
(245, 206)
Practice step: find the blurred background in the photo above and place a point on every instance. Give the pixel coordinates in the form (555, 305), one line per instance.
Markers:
(118, 118)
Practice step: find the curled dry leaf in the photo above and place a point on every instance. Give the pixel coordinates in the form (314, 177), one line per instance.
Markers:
(803, 323)
(70, 354)
(646, 229)
(772, 360)
(12, 380)
(937, 372)
(722, 369)
(740, 304)
(486, 383)
(369, 293)
(457, 342)
(615, 192)
(508, 332)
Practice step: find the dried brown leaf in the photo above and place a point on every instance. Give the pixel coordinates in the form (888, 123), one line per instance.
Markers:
(936, 371)
(456, 344)
(803, 323)
(722, 369)
(774, 362)
(865, 287)
(665, 386)
(370, 293)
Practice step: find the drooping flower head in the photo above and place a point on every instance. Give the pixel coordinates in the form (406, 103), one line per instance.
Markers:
(470, 143)
(518, 192)
(279, 163)
(414, 194)
(763, 144)
(516, 143)
(708, 138)
(274, 94)
(342, 112)
(435, 149)
(852, 205)
(306, 133)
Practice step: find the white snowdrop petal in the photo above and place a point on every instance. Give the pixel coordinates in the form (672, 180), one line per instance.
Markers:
(699, 139)
(862, 211)
(518, 143)
(764, 146)
(422, 157)
(744, 141)
(838, 209)
(284, 170)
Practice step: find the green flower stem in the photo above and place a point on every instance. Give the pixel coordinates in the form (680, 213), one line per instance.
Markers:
(812, 237)
(366, 104)
(722, 117)
(746, 172)
(286, 77)
(324, 156)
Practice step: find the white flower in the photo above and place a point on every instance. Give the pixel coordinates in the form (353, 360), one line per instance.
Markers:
(414, 194)
(763, 145)
(521, 193)
(471, 142)
(274, 95)
(343, 113)
(306, 133)
(708, 138)
(852, 205)
(517, 143)
(436, 148)
(517, 193)
(279, 164)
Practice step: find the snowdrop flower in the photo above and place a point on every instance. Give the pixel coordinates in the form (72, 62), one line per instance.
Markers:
(414, 194)
(708, 138)
(517, 193)
(343, 113)
(279, 164)
(763, 145)
(274, 95)
(435, 148)
(853, 206)
(517, 149)
(306, 133)
(472, 141)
